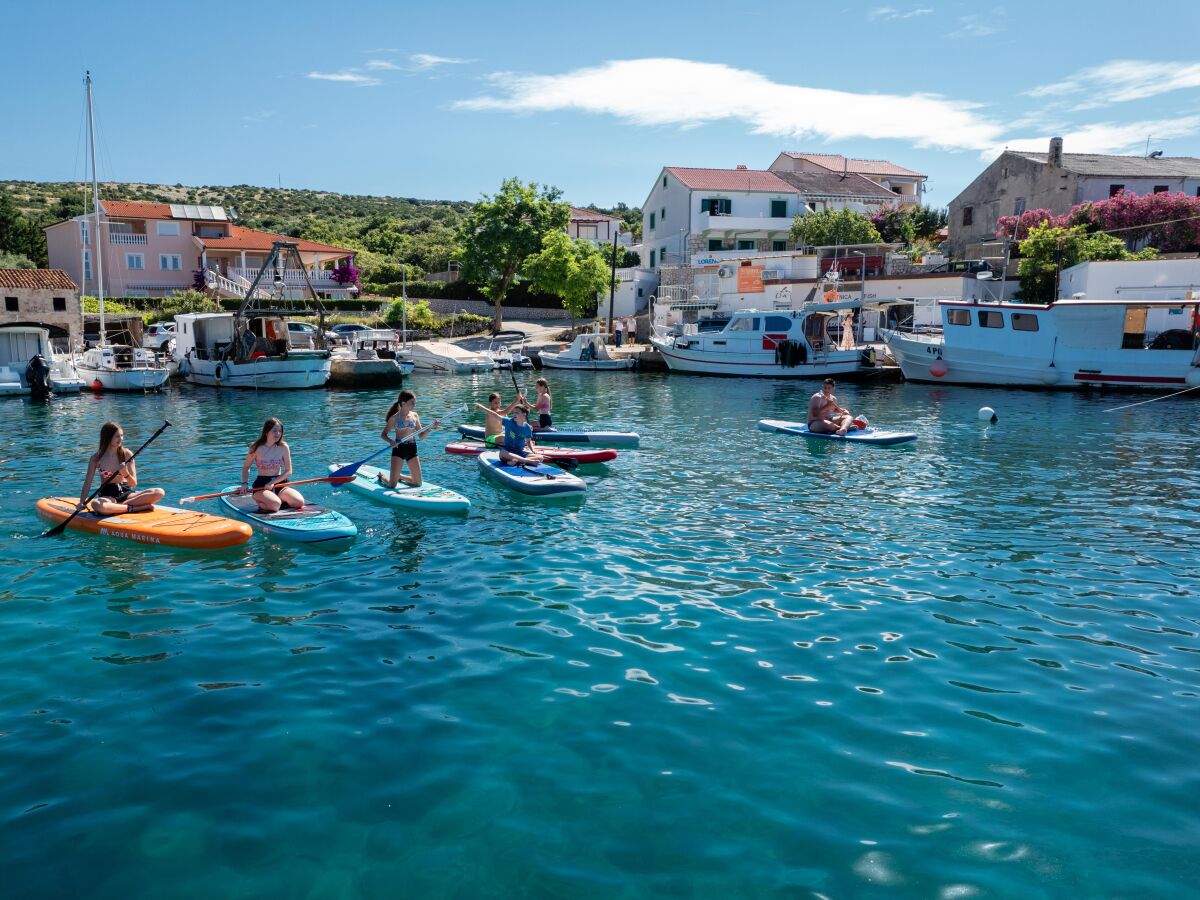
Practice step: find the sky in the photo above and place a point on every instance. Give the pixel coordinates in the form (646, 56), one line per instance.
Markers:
(445, 100)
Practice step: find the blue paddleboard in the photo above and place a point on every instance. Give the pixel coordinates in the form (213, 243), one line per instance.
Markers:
(309, 525)
(855, 436)
(538, 480)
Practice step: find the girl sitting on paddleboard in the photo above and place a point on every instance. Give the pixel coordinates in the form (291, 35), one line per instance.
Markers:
(544, 404)
(493, 418)
(517, 447)
(404, 421)
(119, 495)
(273, 459)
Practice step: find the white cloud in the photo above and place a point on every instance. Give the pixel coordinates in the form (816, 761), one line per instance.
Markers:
(423, 61)
(688, 94)
(975, 26)
(1121, 80)
(1106, 137)
(259, 117)
(382, 65)
(346, 76)
(888, 13)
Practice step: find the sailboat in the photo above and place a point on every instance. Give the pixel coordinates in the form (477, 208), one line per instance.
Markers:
(106, 366)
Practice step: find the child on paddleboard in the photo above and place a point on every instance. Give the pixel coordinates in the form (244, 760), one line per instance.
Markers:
(517, 447)
(544, 404)
(493, 418)
(271, 455)
(403, 420)
(114, 463)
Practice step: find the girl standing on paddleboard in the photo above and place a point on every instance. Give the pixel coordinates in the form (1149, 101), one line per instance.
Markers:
(119, 495)
(273, 459)
(544, 404)
(403, 420)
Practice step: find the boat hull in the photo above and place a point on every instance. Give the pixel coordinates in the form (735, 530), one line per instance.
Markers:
(756, 365)
(123, 379)
(558, 361)
(261, 374)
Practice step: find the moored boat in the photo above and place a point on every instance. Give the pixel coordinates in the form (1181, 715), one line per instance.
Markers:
(587, 351)
(446, 358)
(29, 363)
(1066, 345)
(162, 525)
(117, 367)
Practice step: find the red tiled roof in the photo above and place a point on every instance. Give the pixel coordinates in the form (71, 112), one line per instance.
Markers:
(835, 162)
(136, 209)
(590, 215)
(37, 279)
(248, 239)
(730, 180)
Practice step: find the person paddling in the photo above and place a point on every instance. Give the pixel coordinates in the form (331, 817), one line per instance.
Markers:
(272, 457)
(824, 414)
(517, 447)
(114, 463)
(544, 404)
(403, 421)
(493, 418)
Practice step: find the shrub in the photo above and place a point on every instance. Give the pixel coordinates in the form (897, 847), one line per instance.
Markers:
(420, 316)
(182, 302)
(462, 324)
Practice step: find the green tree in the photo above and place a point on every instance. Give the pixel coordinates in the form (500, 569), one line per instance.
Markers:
(504, 230)
(1049, 249)
(834, 226)
(573, 270)
(927, 221)
(15, 261)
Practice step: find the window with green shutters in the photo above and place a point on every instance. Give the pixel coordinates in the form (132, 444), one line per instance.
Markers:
(778, 245)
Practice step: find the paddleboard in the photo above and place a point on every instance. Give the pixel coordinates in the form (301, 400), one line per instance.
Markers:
(539, 480)
(165, 525)
(310, 525)
(429, 497)
(580, 455)
(865, 436)
(564, 436)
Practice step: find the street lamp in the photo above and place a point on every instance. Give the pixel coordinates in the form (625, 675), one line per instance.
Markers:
(863, 272)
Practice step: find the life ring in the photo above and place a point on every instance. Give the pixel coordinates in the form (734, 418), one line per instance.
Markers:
(831, 296)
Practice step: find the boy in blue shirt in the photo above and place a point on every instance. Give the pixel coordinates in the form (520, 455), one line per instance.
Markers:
(517, 448)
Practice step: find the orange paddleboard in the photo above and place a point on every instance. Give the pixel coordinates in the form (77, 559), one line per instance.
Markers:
(165, 525)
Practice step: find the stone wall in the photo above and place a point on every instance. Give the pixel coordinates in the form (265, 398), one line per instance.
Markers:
(36, 307)
(446, 307)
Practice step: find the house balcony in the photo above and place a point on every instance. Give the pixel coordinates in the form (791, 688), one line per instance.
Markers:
(743, 225)
(292, 277)
(121, 237)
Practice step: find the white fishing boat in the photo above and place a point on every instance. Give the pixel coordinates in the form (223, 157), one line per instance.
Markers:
(30, 363)
(113, 368)
(380, 344)
(815, 341)
(1066, 345)
(447, 358)
(587, 351)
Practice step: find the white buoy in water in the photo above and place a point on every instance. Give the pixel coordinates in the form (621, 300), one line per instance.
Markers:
(987, 414)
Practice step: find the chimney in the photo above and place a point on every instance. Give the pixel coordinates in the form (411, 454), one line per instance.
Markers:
(742, 167)
(1054, 158)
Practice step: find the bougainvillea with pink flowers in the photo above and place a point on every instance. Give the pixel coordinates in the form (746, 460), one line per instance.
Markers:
(1167, 222)
(345, 273)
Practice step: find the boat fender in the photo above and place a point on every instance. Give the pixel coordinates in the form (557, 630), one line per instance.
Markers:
(222, 371)
(938, 368)
(96, 385)
(987, 414)
(185, 366)
(869, 357)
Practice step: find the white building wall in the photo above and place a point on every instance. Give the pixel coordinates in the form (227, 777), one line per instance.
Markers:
(671, 195)
(1093, 188)
(1151, 279)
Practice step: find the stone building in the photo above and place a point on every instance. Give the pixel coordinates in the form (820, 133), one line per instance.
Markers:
(1019, 180)
(45, 297)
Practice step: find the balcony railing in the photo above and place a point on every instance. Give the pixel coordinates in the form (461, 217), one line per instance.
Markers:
(290, 276)
(118, 237)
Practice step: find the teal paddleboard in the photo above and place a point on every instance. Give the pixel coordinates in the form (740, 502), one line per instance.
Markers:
(429, 497)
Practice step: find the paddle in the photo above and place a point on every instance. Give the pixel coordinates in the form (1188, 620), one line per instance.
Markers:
(62, 526)
(334, 478)
(347, 472)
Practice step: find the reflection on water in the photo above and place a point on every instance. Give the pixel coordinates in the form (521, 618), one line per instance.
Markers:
(965, 668)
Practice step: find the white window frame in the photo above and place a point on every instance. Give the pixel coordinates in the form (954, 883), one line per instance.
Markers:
(170, 256)
(141, 262)
(167, 229)
(589, 232)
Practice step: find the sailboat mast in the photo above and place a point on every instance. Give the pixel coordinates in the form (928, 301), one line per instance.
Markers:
(97, 243)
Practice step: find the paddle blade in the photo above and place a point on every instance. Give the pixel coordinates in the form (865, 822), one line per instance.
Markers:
(57, 529)
(345, 473)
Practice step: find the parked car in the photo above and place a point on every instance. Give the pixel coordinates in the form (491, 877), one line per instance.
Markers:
(347, 329)
(964, 266)
(303, 335)
(159, 336)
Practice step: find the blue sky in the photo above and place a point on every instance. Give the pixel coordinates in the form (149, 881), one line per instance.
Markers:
(442, 101)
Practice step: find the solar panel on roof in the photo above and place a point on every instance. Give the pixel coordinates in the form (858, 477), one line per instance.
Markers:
(192, 211)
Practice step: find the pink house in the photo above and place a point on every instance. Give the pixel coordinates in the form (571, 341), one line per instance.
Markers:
(154, 249)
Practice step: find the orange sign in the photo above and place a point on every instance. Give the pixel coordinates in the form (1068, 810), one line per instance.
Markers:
(750, 279)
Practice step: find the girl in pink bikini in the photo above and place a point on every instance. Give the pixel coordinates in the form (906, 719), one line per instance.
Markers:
(273, 459)
(115, 465)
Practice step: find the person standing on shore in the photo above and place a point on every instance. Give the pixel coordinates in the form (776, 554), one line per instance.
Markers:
(619, 330)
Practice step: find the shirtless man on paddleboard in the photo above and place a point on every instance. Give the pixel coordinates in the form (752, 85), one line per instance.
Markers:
(824, 414)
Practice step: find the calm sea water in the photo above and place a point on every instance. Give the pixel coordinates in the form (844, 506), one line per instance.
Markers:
(746, 666)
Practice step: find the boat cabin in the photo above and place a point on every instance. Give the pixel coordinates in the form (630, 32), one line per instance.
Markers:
(823, 327)
(375, 343)
(217, 336)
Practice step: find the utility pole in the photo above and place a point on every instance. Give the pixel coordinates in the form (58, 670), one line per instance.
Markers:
(612, 286)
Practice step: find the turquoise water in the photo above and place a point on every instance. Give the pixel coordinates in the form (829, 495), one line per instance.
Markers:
(745, 666)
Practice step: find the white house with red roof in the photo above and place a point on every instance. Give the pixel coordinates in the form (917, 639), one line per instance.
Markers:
(154, 249)
(906, 185)
(692, 211)
(597, 227)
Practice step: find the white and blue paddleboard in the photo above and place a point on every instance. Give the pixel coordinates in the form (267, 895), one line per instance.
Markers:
(538, 480)
(567, 436)
(429, 497)
(856, 436)
(310, 525)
